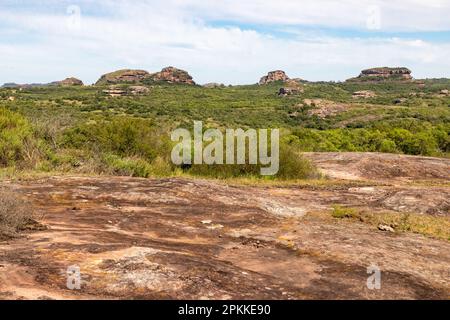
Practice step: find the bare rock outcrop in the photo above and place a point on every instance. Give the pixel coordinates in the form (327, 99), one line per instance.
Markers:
(272, 76)
(172, 75)
(363, 94)
(123, 76)
(69, 82)
(384, 73)
(292, 87)
(121, 91)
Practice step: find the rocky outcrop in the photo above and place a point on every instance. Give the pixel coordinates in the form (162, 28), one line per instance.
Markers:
(172, 75)
(292, 87)
(123, 76)
(127, 76)
(69, 82)
(121, 91)
(138, 90)
(363, 94)
(384, 73)
(272, 76)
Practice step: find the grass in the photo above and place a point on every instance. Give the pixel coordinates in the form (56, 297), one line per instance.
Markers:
(340, 212)
(15, 215)
(434, 226)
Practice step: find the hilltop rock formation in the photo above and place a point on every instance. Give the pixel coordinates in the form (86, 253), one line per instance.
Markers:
(384, 73)
(172, 75)
(69, 82)
(272, 76)
(123, 76)
(127, 76)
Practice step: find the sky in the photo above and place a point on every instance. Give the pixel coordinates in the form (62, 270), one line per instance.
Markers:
(228, 41)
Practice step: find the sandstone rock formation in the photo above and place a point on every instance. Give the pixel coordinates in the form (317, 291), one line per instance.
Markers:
(69, 82)
(277, 75)
(384, 73)
(363, 94)
(113, 91)
(123, 76)
(172, 75)
(127, 76)
(138, 90)
(120, 91)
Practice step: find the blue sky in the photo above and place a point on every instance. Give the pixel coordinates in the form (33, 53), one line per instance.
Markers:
(227, 41)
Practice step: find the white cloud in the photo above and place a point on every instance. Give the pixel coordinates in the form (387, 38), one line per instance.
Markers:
(48, 46)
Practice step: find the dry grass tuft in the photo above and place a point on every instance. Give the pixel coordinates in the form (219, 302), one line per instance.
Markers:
(434, 226)
(15, 215)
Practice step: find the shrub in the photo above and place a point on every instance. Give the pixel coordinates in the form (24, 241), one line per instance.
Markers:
(14, 132)
(292, 166)
(134, 167)
(125, 137)
(15, 214)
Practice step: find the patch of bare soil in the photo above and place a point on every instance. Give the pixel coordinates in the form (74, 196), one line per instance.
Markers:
(325, 108)
(194, 239)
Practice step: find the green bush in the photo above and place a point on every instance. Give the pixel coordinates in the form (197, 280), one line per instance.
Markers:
(419, 140)
(16, 135)
(125, 137)
(292, 166)
(134, 167)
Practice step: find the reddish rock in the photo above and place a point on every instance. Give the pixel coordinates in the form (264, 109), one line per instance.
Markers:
(277, 75)
(172, 75)
(123, 76)
(70, 82)
(384, 73)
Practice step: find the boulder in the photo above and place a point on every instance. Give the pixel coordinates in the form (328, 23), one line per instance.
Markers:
(272, 76)
(138, 90)
(292, 87)
(383, 227)
(123, 76)
(444, 92)
(399, 100)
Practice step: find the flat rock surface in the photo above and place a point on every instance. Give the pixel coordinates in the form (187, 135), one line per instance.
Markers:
(196, 239)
